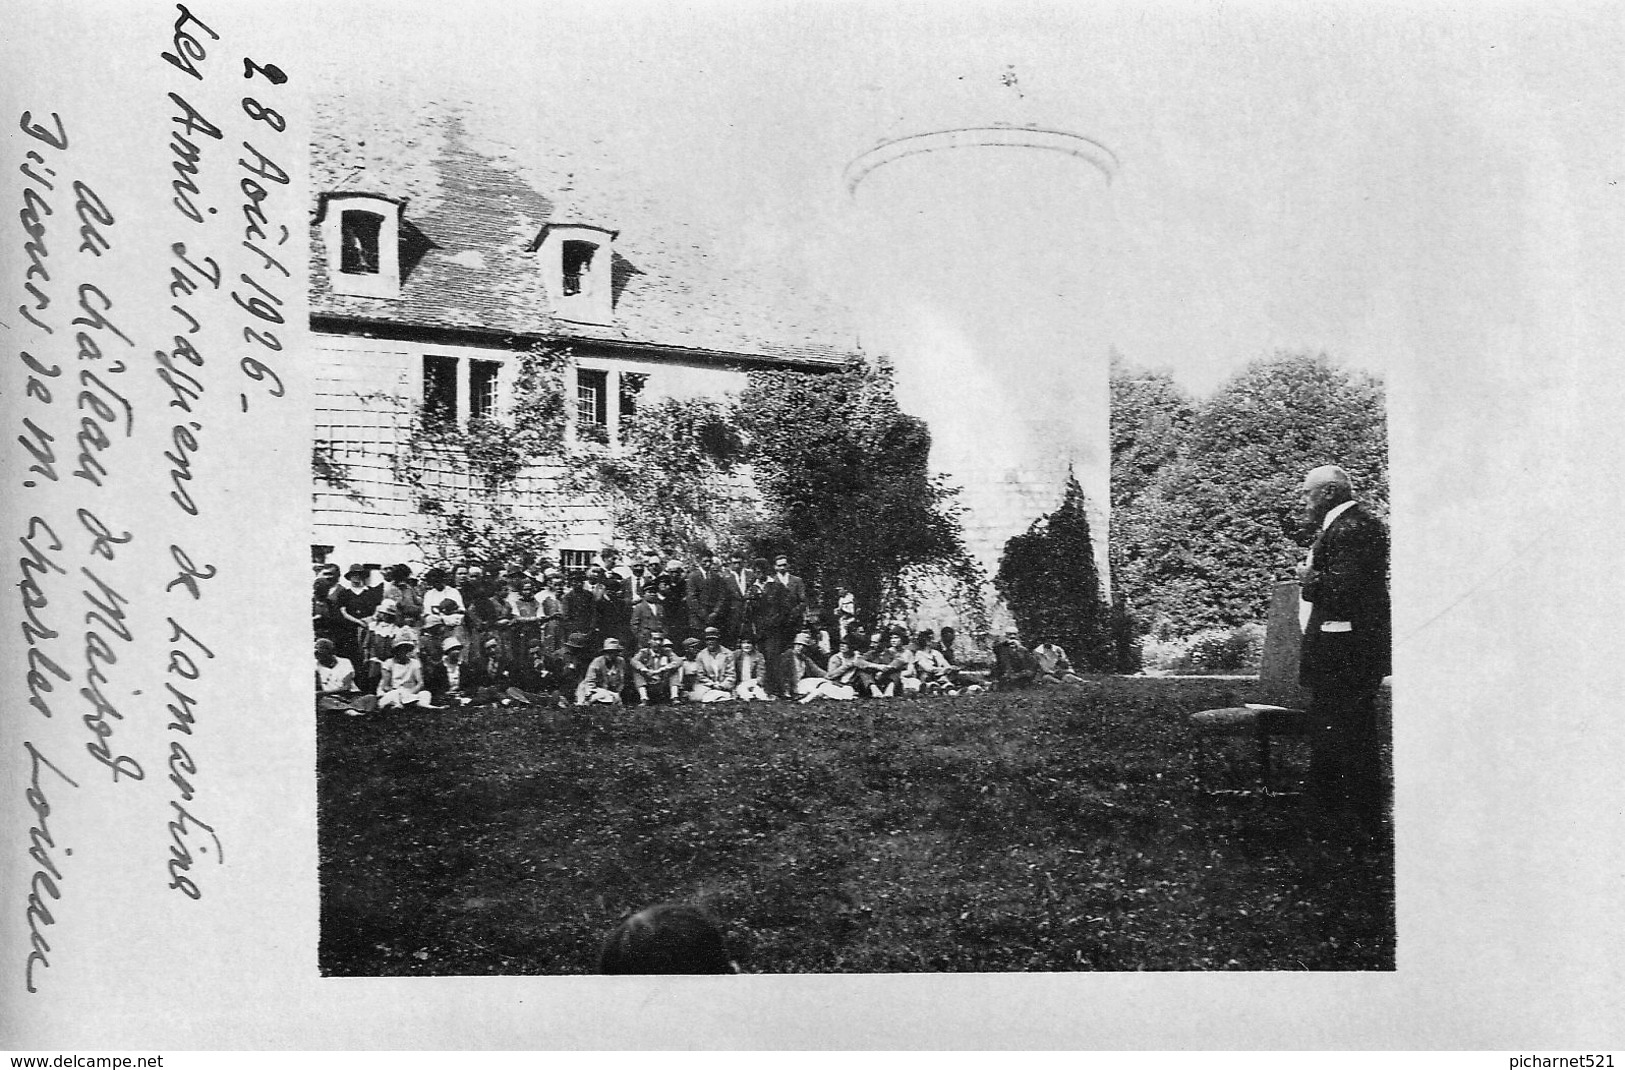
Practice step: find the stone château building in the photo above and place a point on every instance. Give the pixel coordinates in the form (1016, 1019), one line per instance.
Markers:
(439, 258)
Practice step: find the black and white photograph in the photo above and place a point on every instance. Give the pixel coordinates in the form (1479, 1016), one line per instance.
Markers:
(1003, 525)
(769, 515)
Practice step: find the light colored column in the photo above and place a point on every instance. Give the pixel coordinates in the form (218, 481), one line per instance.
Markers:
(986, 253)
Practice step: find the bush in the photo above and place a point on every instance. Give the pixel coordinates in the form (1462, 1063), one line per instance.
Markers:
(1212, 651)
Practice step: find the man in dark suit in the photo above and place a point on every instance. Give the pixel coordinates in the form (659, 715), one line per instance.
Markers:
(783, 601)
(615, 607)
(673, 588)
(707, 595)
(736, 582)
(1347, 646)
(580, 606)
(795, 591)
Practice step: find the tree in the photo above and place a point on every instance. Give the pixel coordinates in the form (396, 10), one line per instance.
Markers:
(1150, 419)
(1214, 527)
(848, 491)
(1151, 416)
(1047, 577)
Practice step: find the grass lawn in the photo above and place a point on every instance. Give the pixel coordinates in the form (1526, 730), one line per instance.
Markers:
(1047, 830)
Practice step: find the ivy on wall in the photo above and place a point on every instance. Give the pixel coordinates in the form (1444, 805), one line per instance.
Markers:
(465, 480)
(329, 470)
(682, 478)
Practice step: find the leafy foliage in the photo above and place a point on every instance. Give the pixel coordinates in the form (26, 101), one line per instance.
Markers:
(330, 470)
(1201, 535)
(1151, 415)
(482, 520)
(1048, 579)
(1050, 830)
(536, 414)
(849, 493)
(678, 481)
(1213, 650)
(493, 533)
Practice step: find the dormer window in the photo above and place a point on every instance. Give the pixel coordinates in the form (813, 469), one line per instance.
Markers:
(577, 266)
(358, 237)
(362, 233)
(575, 261)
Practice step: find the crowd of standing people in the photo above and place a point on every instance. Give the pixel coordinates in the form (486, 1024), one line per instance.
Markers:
(655, 628)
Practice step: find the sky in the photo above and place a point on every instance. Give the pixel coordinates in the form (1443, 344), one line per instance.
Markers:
(1271, 183)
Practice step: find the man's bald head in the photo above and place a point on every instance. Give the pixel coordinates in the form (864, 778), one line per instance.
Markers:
(1328, 474)
(1323, 489)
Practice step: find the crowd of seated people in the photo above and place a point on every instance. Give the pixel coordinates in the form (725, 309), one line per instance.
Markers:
(654, 629)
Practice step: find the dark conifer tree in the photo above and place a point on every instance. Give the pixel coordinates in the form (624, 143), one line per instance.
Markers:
(1047, 577)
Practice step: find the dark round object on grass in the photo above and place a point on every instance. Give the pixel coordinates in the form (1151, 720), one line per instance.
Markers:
(666, 938)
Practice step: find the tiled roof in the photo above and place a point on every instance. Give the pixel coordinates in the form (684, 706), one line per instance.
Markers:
(474, 208)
